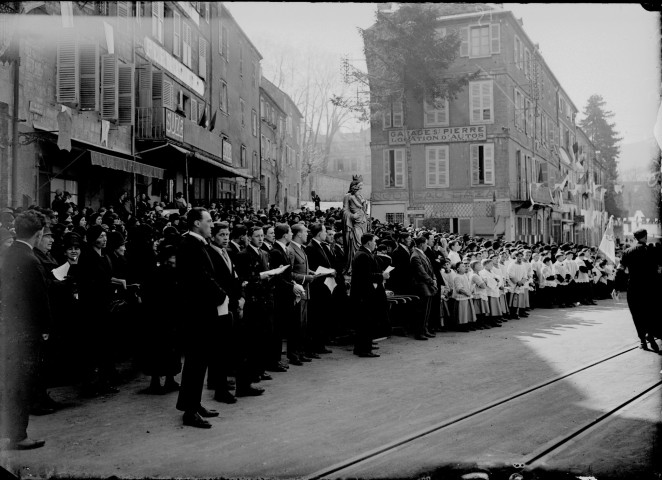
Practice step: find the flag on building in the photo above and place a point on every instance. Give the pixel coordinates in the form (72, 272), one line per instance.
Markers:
(607, 246)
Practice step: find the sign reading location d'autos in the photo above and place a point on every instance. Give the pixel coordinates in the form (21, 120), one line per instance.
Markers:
(438, 135)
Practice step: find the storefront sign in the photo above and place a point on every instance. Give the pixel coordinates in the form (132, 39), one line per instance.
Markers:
(174, 125)
(157, 54)
(438, 135)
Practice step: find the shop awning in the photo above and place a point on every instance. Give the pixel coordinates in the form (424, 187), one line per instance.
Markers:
(117, 163)
(234, 171)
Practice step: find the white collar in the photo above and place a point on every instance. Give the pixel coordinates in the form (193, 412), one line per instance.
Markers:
(198, 236)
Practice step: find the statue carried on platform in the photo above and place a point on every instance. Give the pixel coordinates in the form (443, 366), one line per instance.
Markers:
(355, 220)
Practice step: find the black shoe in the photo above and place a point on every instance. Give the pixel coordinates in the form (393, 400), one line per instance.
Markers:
(367, 355)
(266, 376)
(323, 351)
(304, 359)
(294, 361)
(249, 391)
(430, 335)
(195, 420)
(312, 355)
(420, 337)
(276, 368)
(283, 365)
(203, 412)
(26, 444)
(225, 397)
(524, 315)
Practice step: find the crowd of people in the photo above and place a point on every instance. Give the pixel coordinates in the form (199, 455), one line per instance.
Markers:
(223, 287)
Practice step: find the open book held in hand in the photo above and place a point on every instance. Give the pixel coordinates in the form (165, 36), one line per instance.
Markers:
(276, 271)
(389, 269)
(324, 271)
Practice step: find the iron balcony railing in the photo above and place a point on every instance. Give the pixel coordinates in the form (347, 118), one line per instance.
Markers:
(150, 123)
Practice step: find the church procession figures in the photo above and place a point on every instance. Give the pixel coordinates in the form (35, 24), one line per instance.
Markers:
(355, 220)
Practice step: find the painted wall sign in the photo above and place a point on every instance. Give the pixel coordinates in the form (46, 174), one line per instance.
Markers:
(172, 65)
(174, 126)
(439, 135)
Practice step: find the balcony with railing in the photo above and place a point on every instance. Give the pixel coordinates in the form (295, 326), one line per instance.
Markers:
(150, 123)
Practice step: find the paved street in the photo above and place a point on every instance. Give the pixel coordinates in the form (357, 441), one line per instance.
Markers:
(341, 406)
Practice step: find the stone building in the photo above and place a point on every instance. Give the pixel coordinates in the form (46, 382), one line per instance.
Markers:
(498, 160)
(144, 97)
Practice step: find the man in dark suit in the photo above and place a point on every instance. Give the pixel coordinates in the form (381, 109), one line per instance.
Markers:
(238, 241)
(401, 278)
(303, 275)
(206, 300)
(321, 300)
(26, 325)
(226, 328)
(643, 288)
(284, 298)
(252, 265)
(365, 295)
(425, 287)
(269, 238)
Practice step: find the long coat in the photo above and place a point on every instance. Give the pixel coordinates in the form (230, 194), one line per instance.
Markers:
(423, 274)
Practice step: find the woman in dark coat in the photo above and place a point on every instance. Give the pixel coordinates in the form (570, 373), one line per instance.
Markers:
(161, 350)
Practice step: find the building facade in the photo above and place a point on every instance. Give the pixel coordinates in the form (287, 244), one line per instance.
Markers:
(500, 159)
(280, 148)
(139, 97)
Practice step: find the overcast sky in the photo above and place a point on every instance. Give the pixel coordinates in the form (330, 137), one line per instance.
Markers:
(609, 49)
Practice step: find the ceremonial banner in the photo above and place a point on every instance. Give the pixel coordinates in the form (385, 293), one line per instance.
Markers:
(607, 245)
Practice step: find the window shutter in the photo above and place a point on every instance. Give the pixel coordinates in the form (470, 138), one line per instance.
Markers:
(109, 98)
(474, 102)
(432, 166)
(157, 88)
(194, 111)
(464, 45)
(397, 114)
(123, 9)
(399, 168)
(157, 21)
(67, 69)
(495, 38)
(387, 169)
(126, 93)
(169, 94)
(145, 85)
(488, 163)
(386, 118)
(487, 101)
(475, 165)
(88, 61)
(442, 166)
(177, 34)
(202, 57)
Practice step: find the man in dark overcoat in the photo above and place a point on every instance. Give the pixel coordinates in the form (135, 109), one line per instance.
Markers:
(365, 294)
(425, 287)
(205, 300)
(26, 319)
(643, 288)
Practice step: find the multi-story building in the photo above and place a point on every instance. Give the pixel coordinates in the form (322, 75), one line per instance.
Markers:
(280, 148)
(143, 97)
(494, 160)
(349, 155)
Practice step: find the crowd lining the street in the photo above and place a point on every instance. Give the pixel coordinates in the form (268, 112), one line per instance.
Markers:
(139, 285)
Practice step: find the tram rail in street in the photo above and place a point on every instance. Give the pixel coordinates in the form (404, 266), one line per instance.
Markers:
(336, 470)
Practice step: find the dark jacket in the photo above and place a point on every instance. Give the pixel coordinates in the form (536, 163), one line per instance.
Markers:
(24, 293)
(365, 274)
(400, 280)
(226, 278)
(422, 274)
(283, 284)
(641, 262)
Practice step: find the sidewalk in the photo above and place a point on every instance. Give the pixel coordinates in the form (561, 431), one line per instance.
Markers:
(325, 411)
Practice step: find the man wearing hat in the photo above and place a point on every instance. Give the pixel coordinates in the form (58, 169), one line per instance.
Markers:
(643, 287)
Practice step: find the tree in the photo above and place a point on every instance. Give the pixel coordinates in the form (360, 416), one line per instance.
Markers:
(407, 58)
(603, 135)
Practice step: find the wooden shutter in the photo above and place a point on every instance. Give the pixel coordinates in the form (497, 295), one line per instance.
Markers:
(123, 15)
(432, 166)
(495, 38)
(464, 45)
(109, 71)
(177, 34)
(145, 80)
(475, 165)
(398, 116)
(386, 119)
(399, 167)
(157, 21)
(488, 163)
(387, 168)
(88, 61)
(442, 166)
(157, 88)
(194, 110)
(474, 102)
(67, 85)
(202, 57)
(487, 101)
(126, 93)
(168, 93)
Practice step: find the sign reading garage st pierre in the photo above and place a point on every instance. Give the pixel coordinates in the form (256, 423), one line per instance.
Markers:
(438, 135)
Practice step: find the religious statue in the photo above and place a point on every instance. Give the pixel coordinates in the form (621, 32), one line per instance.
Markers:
(355, 220)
